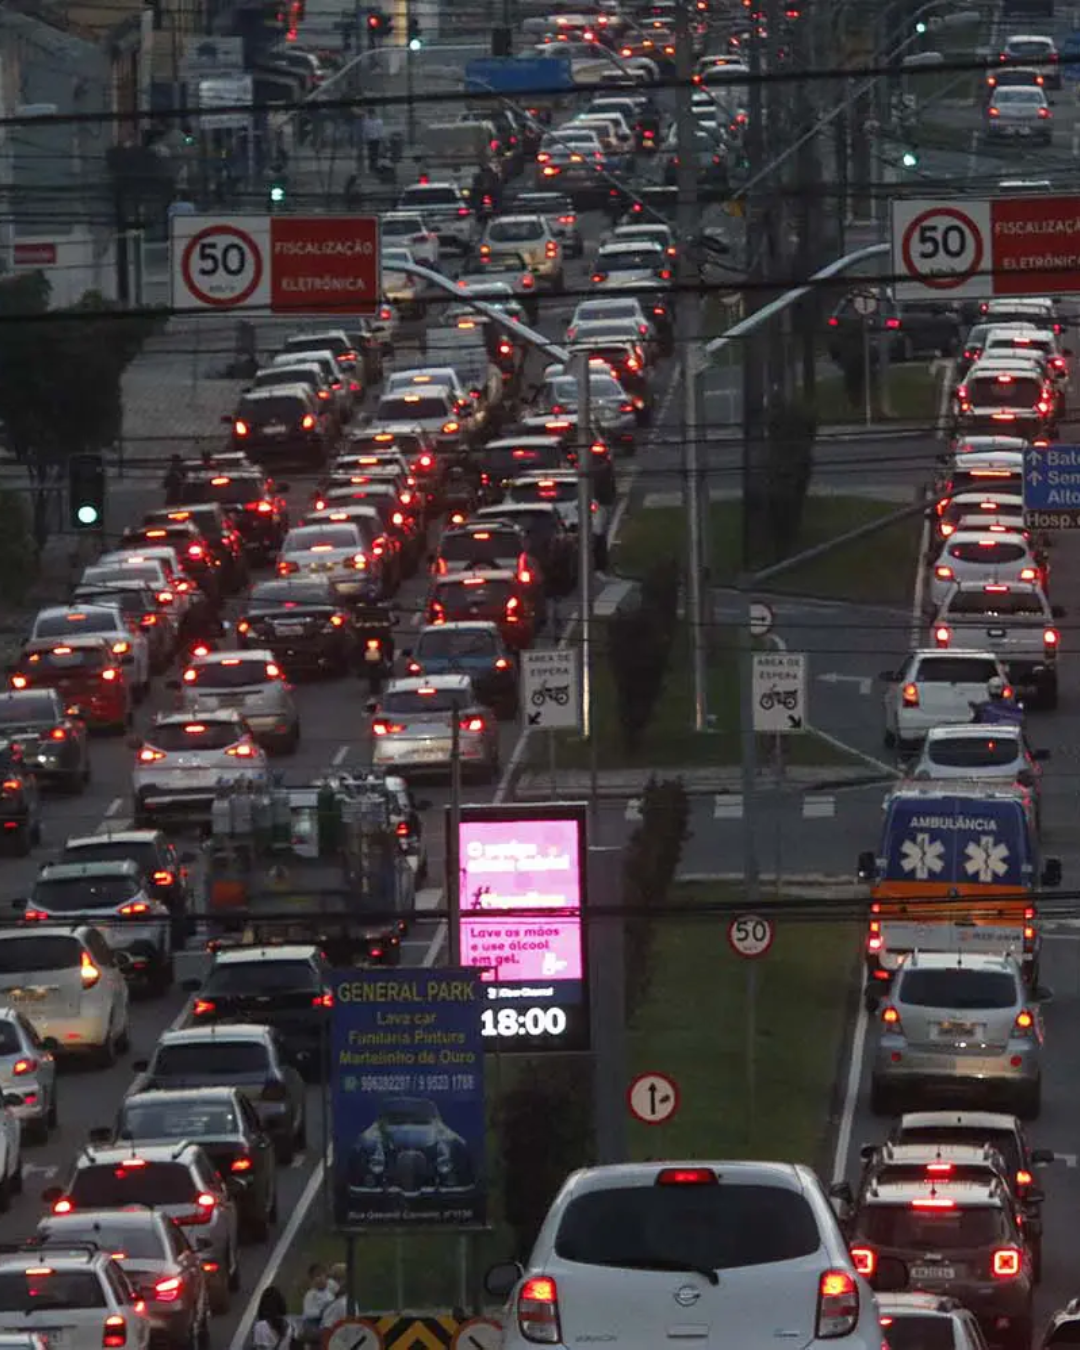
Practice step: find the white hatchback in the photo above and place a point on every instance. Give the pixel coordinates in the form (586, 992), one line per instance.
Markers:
(744, 1254)
(72, 1299)
(982, 555)
(934, 688)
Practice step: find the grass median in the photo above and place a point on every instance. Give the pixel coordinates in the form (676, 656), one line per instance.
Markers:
(913, 395)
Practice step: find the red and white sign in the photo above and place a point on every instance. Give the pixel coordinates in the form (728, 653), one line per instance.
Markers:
(279, 264)
(750, 935)
(33, 255)
(653, 1098)
(959, 249)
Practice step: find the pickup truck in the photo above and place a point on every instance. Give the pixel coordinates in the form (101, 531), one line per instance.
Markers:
(1015, 621)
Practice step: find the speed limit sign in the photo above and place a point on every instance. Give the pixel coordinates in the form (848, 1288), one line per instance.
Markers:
(750, 935)
(941, 249)
(222, 265)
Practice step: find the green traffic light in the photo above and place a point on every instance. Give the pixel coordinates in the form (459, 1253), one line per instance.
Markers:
(920, 28)
(277, 194)
(910, 159)
(415, 44)
(87, 514)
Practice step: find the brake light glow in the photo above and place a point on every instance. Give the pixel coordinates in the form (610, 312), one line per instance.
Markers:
(323, 1001)
(63, 1207)
(147, 755)
(838, 1304)
(910, 695)
(890, 1017)
(203, 1007)
(115, 1332)
(1007, 1263)
(1050, 637)
(241, 428)
(381, 727)
(864, 1259)
(135, 909)
(241, 751)
(241, 1164)
(942, 635)
(944, 573)
(686, 1176)
(21, 1067)
(168, 1290)
(933, 1202)
(473, 724)
(538, 1311)
(1024, 1023)
(88, 972)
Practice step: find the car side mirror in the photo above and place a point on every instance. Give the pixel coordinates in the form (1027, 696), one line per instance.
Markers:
(867, 866)
(100, 1134)
(51, 1194)
(141, 1065)
(499, 1280)
(888, 677)
(1042, 1157)
(842, 1191)
(1051, 873)
(1040, 756)
(1058, 611)
(191, 986)
(134, 742)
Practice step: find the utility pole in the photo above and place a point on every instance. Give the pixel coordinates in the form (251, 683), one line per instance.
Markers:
(688, 337)
(756, 259)
(453, 859)
(410, 98)
(585, 537)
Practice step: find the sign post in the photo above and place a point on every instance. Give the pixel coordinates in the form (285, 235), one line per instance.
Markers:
(551, 696)
(1052, 487)
(779, 692)
(750, 937)
(865, 304)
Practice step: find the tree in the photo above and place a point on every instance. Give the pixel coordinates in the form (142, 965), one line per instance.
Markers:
(639, 649)
(649, 865)
(792, 428)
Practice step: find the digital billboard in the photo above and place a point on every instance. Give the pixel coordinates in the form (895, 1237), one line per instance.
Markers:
(520, 898)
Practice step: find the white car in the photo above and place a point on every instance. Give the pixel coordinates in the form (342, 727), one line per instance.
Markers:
(336, 550)
(1037, 51)
(178, 593)
(399, 286)
(444, 206)
(106, 621)
(11, 1178)
(982, 555)
(737, 1251)
(1039, 310)
(252, 682)
(27, 1075)
(79, 1299)
(935, 688)
(997, 754)
(611, 309)
(635, 264)
(66, 981)
(183, 760)
(408, 229)
(655, 232)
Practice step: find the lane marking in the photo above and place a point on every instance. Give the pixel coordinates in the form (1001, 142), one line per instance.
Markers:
(113, 807)
(340, 754)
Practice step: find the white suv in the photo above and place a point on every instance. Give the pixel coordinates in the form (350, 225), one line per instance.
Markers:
(66, 982)
(726, 1253)
(78, 1299)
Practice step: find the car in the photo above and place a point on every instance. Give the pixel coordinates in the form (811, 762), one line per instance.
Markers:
(1016, 395)
(60, 622)
(177, 1181)
(991, 508)
(1063, 1327)
(639, 264)
(245, 1056)
(615, 309)
(140, 605)
(67, 983)
(407, 1152)
(614, 411)
(510, 269)
(251, 682)
(27, 1076)
(164, 871)
(20, 801)
(115, 896)
(165, 1270)
(1019, 111)
(525, 236)
(982, 555)
(1033, 49)
(420, 378)
(1016, 621)
(972, 469)
(305, 622)
(75, 1297)
(88, 678)
(284, 427)
(195, 553)
(966, 1028)
(332, 550)
(285, 987)
(182, 763)
(483, 547)
(48, 742)
(226, 1127)
(497, 596)
(960, 1238)
(328, 388)
(933, 688)
(472, 648)
(255, 503)
(412, 728)
(765, 1238)
(546, 539)
(563, 489)
(501, 459)
(400, 284)
(433, 412)
(1017, 339)
(994, 754)
(339, 343)
(408, 229)
(560, 214)
(444, 206)
(159, 568)
(1004, 1133)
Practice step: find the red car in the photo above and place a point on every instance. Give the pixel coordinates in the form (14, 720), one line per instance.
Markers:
(86, 674)
(497, 597)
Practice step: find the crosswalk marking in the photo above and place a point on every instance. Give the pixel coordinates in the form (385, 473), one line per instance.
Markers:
(818, 808)
(728, 806)
(633, 809)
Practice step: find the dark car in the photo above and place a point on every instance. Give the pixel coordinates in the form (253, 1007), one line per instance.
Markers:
(283, 428)
(140, 605)
(497, 597)
(912, 329)
(305, 622)
(478, 547)
(20, 805)
(226, 1127)
(474, 648)
(52, 743)
(408, 1151)
(500, 460)
(254, 502)
(546, 538)
(164, 871)
(197, 557)
(339, 343)
(219, 530)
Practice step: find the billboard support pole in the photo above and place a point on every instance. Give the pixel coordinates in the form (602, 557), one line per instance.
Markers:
(453, 861)
(350, 1274)
(607, 1005)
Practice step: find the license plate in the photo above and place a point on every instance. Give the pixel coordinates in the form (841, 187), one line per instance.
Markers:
(956, 1028)
(995, 632)
(428, 752)
(275, 428)
(373, 654)
(933, 1273)
(289, 629)
(34, 995)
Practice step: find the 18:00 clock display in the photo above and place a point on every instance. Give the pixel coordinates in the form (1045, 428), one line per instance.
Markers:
(528, 1022)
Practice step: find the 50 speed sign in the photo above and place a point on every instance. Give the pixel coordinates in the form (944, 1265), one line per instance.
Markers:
(941, 249)
(750, 935)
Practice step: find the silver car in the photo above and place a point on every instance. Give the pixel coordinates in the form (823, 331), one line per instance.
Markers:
(183, 761)
(636, 264)
(254, 684)
(998, 754)
(1019, 112)
(612, 408)
(960, 1028)
(334, 550)
(412, 728)
(27, 1075)
(532, 238)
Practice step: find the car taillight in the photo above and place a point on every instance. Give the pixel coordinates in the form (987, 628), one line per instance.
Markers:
(438, 612)
(307, 422)
(528, 281)
(463, 211)
(115, 1332)
(551, 249)
(1024, 1024)
(942, 635)
(599, 276)
(1007, 1263)
(134, 910)
(88, 972)
(121, 648)
(195, 550)
(538, 1311)
(381, 727)
(1044, 113)
(22, 1067)
(19, 682)
(472, 724)
(63, 1206)
(910, 695)
(286, 566)
(203, 1007)
(449, 428)
(164, 597)
(892, 324)
(838, 1304)
(943, 573)
(864, 1259)
(1050, 637)
(168, 1290)
(891, 1018)
(58, 734)
(323, 1000)
(1024, 1178)
(242, 751)
(147, 755)
(240, 428)
(241, 1164)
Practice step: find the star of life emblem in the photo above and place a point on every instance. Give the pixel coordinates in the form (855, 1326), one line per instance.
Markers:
(923, 856)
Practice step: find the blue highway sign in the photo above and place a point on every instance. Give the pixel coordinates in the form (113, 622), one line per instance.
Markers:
(1052, 487)
(518, 75)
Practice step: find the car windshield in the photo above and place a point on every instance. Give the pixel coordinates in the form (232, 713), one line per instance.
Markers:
(77, 621)
(271, 408)
(29, 709)
(185, 1118)
(475, 546)
(71, 895)
(402, 226)
(1010, 604)
(1020, 94)
(939, 1230)
(1026, 344)
(919, 1331)
(261, 977)
(270, 595)
(135, 1181)
(439, 643)
(320, 537)
(1003, 1141)
(316, 342)
(515, 231)
(505, 461)
(57, 1291)
(958, 987)
(194, 736)
(608, 311)
(563, 490)
(411, 702)
(626, 259)
(32, 954)
(412, 408)
(564, 389)
(1004, 480)
(210, 1059)
(123, 1241)
(423, 197)
(688, 1227)
(1028, 47)
(971, 752)
(234, 672)
(65, 661)
(470, 591)
(286, 375)
(990, 551)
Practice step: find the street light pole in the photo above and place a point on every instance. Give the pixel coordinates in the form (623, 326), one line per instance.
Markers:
(453, 859)
(585, 538)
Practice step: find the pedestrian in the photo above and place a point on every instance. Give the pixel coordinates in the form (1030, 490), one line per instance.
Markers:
(321, 1292)
(335, 1311)
(273, 1330)
(373, 132)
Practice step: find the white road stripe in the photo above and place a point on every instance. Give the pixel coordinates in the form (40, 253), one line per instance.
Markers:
(340, 755)
(114, 806)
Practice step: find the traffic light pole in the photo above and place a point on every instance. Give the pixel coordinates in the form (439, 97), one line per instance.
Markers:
(410, 99)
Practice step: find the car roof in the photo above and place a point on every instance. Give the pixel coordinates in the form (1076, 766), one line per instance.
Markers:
(111, 1154)
(114, 837)
(485, 573)
(920, 960)
(461, 626)
(943, 1304)
(617, 1176)
(232, 658)
(932, 1152)
(225, 1031)
(410, 684)
(292, 951)
(113, 867)
(984, 1194)
(974, 535)
(962, 1120)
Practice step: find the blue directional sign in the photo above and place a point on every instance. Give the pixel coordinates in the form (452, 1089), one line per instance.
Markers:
(1052, 486)
(519, 75)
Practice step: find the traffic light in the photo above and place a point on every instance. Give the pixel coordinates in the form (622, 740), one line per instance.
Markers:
(86, 492)
(416, 37)
(910, 159)
(277, 192)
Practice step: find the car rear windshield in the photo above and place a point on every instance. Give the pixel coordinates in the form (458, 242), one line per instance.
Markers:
(908, 1173)
(261, 977)
(78, 621)
(194, 736)
(1023, 47)
(412, 702)
(26, 709)
(125, 1241)
(457, 595)
(515, 231)
(447, 642)
(235, 672)
(627, 260)
(506, 461)
(273, 595)
(1013, 391)
(423, 198)
(187, 1118)
(1004, 1141)
(476, 547)
(990, 551)
(230, 490)
(271, 408)
(1027, 344)
(970, 752)
(607, 310)
(316, 342)
(108, 1186)
(919, 1331)
(1009, 603)
(66, 660)
(538, 526)
(549, 490)
(286, 375)
(150, 572)
(411, 408)
(74, 894)
(958, 988)
(30, 955)
(212, 1059)
(938, 1230)
(320, 536)
(719, 1227)
(61, 1291)
(1001, 480)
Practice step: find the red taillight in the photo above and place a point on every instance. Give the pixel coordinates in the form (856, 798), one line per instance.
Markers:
(599, 276)
(381, 727)
(1044, 113)
(323, 1001)
(910, 695)
(163, 878)
(21, 1067)
(472, 724)
(943, 573)
(932, 1202)
(890, 1018)
(58, 734)
(892, 324)
(538, 1311)
(1024, 1178)
(136, 909)
(241, 1164)
(203, 1007)
(240, 428)
(838, 1304)
(115, 1332)
(63, 1207)
(307, 422)
(463, 211)
(242, 750)
(1024, 1024)
(1050, 637)
(168, 1290)
(686, 1176)
(942, 635)
(1007, 1263)
(35, 915)
(147, 755)
(551, 249)
(864, 1259)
